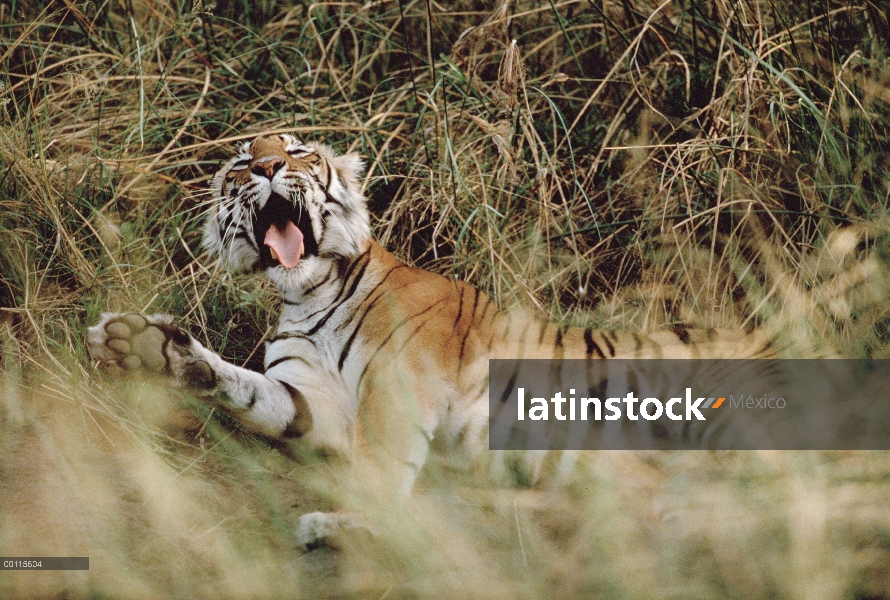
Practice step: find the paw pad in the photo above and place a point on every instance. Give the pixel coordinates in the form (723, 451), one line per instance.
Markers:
(140, 345)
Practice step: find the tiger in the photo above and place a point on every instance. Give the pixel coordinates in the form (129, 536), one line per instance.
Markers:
(372, 358)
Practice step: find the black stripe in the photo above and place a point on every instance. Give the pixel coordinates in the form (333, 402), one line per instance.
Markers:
(460, 306)
(524, 333)
(242, 235)
(372, 301)
(282, 359)
(489, 304)
(288, 335)
(485, 308)
(347, 266)
(682, 334)
(544, 325)
(302, 421)
(463, 345)
(344, 354)
(225, 224)
(559, 331)
(766, 348)
(475, 304)
(166, 353)
(492, 336)
(311, 289)
(331, 200)
(609, 345)
(355, 283)
(417, 329)
(592, 346)
(350, 267)
(348, 345)
(392, 333)
(252, 400)
(508, 390)
(330, 176)
(463, 341)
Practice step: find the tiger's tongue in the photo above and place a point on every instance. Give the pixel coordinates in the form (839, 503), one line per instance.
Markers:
(286, 244)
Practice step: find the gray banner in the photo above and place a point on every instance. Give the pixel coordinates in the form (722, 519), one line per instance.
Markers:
(689, 404)
(45, 563)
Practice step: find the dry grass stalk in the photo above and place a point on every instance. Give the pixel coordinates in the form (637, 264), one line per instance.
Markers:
(641, 164)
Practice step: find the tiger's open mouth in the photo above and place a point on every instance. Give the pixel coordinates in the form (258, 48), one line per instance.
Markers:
(283, 226)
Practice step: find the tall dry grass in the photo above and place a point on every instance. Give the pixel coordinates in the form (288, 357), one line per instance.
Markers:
(625, 164)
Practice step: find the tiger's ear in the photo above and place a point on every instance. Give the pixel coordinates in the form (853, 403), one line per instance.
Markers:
(349, 167)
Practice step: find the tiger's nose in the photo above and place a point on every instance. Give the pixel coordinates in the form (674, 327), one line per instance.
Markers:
(267, 167)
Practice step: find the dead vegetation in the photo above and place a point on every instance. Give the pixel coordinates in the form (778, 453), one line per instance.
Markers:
(629, 164)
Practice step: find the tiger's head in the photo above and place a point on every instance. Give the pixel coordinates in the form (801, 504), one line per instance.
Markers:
(285, 207)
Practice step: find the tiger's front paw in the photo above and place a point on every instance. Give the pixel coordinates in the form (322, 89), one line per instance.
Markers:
(320, 529)
(128, 343)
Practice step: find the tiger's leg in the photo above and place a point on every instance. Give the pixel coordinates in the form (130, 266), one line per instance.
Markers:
(319, 529)
(391, 445)
(155, 344)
